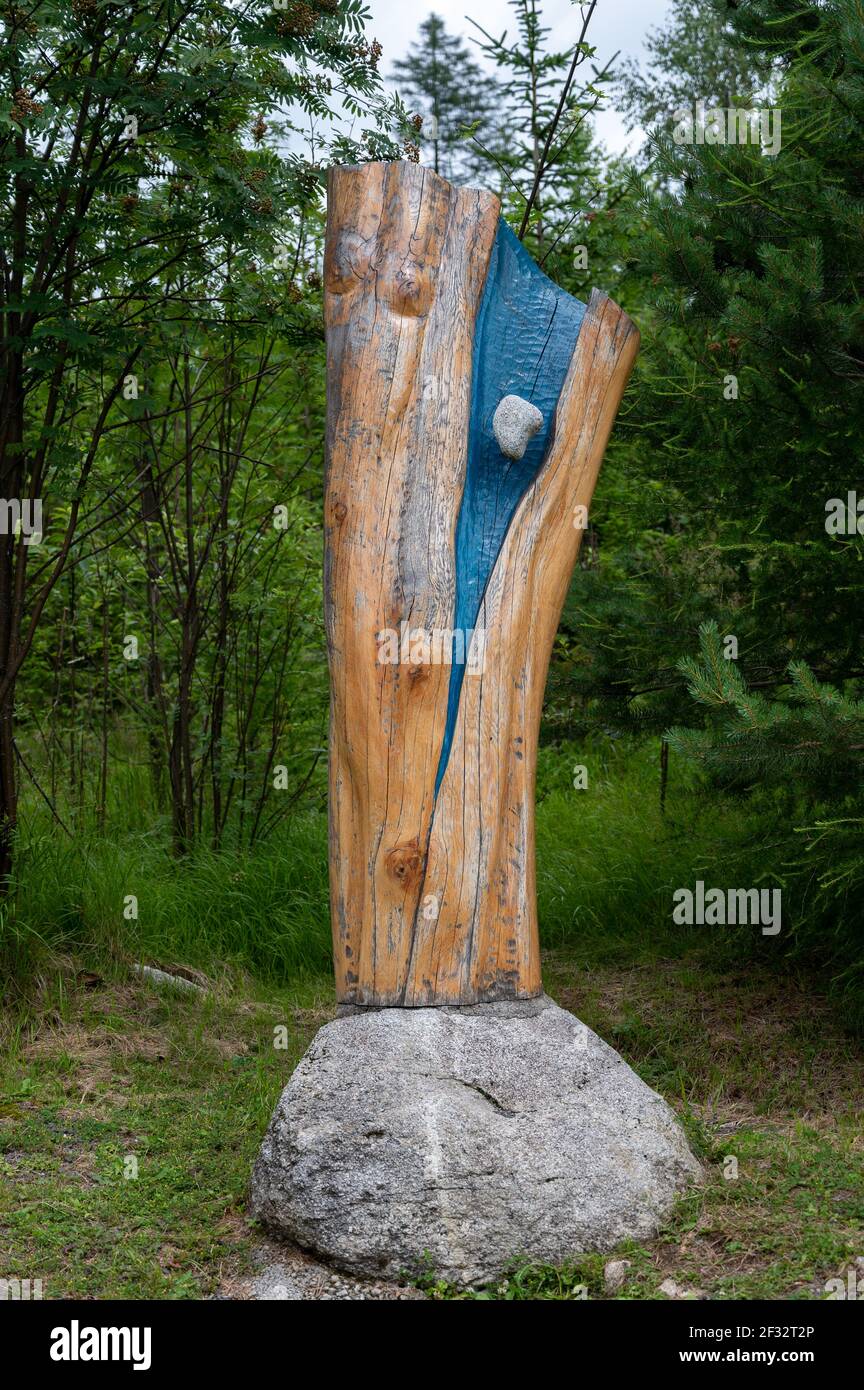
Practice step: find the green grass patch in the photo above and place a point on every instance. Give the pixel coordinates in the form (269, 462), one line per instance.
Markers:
(99, 1069)
(766, 1083)
(128, 1129)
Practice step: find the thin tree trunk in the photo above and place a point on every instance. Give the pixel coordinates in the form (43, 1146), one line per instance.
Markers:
(103, 761)
(664, 774)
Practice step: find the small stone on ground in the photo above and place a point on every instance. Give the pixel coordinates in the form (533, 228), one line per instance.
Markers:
(290, 1275)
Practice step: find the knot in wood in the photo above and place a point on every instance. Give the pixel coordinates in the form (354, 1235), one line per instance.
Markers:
(405, 286)
(406, 863)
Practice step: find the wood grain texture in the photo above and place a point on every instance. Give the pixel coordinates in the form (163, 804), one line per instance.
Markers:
(405, 264)
(433, 898)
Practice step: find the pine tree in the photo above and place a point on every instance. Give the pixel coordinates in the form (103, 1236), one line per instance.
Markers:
(803, 747)
(546, 158)
(459, 102)
(812, 732)
(697, 55)
(742, 432)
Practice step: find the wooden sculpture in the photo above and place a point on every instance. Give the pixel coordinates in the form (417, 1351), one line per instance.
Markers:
(447, 561)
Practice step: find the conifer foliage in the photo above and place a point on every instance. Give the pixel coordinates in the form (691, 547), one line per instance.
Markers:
(812, 738)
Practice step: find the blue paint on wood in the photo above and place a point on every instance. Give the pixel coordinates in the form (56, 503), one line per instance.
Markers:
(523, 341)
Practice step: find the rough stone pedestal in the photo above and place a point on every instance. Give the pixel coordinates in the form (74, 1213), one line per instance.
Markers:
(462, 1140)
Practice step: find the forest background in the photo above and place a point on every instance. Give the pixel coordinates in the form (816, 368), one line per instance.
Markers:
(163, 667)
(163, 680)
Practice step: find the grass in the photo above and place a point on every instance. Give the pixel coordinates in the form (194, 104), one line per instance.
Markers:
(755, 1064)
(98, 1069)
(264, 912)
(609, 860)
(128, 1126)
(608, 864)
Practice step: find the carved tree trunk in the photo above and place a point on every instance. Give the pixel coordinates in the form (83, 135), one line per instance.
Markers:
(434, 313)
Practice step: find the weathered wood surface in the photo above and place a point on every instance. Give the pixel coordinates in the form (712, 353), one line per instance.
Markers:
(433, 896)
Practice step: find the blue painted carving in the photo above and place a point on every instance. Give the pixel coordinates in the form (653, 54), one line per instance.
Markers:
(524, 338)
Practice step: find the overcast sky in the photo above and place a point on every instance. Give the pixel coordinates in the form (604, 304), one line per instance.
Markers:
(616, 24)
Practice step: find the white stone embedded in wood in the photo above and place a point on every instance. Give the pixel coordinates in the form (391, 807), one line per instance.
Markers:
(514, 425)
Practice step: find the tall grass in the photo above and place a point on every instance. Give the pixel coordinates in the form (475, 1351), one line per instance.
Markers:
(608, 863)
(264, 911)
(609, 860)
